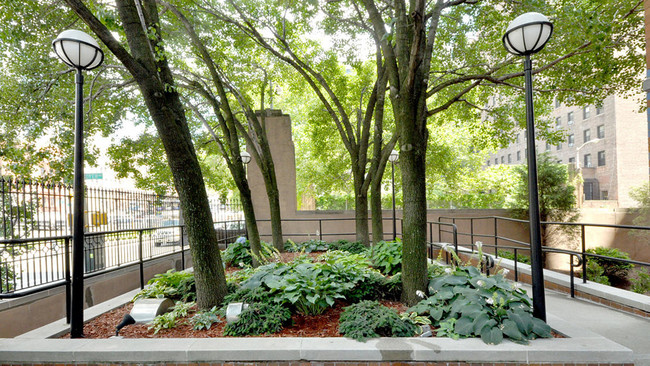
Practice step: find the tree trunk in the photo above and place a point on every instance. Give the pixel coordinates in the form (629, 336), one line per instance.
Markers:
(361, 214)
(412, 157)
(251, 222)
(271, 183)
(375, 209)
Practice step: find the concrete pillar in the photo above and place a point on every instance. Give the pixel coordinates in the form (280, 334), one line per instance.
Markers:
(278, 130)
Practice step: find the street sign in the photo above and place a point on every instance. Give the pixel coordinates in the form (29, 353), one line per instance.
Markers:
(94, 176)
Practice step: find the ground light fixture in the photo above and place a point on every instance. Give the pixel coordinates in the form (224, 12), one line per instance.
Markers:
(80, 51)
(394, 155)
(526, 35)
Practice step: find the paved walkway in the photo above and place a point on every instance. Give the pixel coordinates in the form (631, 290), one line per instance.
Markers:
(625, 329)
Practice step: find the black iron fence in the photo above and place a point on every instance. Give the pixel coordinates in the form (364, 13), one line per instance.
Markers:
(577, 260)
(40, 209)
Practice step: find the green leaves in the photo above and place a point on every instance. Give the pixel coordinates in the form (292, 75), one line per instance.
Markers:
(466, 303)
(370, 319)
(387, 256)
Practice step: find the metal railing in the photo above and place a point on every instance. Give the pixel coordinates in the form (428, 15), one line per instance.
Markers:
(577, 258)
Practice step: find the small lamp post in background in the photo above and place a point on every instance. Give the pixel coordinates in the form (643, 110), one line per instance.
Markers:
(245, 158)
(394, 155)
(79, 50)
(526, 35)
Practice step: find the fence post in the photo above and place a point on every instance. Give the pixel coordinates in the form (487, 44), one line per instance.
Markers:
(584, 257)
(182, 250)
(516, 268)
(141, 260)
(496, 234)
(320, 229)
(571, 270)
(67, 281)
(471, 231)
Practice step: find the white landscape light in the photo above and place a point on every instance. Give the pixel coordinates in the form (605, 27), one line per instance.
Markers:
(393, 156)
(77, 49)
(527, 34)
(245, 157)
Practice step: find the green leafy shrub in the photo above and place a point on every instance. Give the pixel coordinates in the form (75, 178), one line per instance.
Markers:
(312, 245)
(392, 288)
(465, 303)
(521, 258)
(370, 319)
(595, 272)
(238, 254)
(615, 271)
(387, 256)
(170, 319)
(172, 285)
(7, 278)
(259, 318)
(370, 287)
(354, 247)
(641, 284)
(205, 319)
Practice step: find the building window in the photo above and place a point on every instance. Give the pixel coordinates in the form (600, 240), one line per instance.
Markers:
(571, 140)
(601, 158)
(600, 131)
(599, 109)
(509, 158)
(496, 161)
(604, 195)
(585, 112)
(586, 135)
(569, 118)
(559, 146)
(518, 155)
(572, 160)
(488, 163)
(557, 103)
(587, 161)
(558, 121)
(517, 138)
(503, 159)
(548, 147)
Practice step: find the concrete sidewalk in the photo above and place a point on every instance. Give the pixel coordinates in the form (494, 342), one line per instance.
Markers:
(626, 329)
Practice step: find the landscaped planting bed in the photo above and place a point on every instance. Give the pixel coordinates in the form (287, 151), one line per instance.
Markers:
(337, 289)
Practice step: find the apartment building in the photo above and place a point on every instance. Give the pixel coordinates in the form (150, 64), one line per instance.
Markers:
(609, 143)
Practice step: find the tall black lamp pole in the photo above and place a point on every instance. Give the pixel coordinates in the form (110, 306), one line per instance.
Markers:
(79, 50)
(526, 35)
(394, 155)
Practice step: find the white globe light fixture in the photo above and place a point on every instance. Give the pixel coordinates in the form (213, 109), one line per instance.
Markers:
(526, 35)
(245, 157)
(394, 155)
(79, 50)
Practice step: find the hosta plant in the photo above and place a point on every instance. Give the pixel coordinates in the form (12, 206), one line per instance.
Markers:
(370, 319)
(466, 303)
(172, 285)
(387, 257)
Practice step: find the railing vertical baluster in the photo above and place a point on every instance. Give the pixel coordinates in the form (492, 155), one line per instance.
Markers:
(571, 274)
(183, 249)
(141, 260)
(584, 257)
(68, 281)
(496, 235)
(471, 231)
(320, 229)
(516, 267)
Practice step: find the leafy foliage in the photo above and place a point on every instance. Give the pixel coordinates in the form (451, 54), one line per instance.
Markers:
(354, 247)
(510, 255)
(170, 319)
(205, 319)
(370, 319)
(312, 245)
(615, 271)
(387, 256)
(171, 284)
(259, 318)
(238, 254)
(641, 284)
(465, 303)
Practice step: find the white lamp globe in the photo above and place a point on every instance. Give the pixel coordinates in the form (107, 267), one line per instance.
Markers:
(393, 156)
(245, 157)
(527, 34)
(77, 49)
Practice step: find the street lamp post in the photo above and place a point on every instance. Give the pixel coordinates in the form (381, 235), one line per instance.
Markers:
(394, 155)
(526, 35)
(79, 50)
(245, 158)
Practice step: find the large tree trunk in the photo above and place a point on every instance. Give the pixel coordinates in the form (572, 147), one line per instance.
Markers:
(251, 223)
(376, 211)
(271, 183)
(361, 213)
(156, 83)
